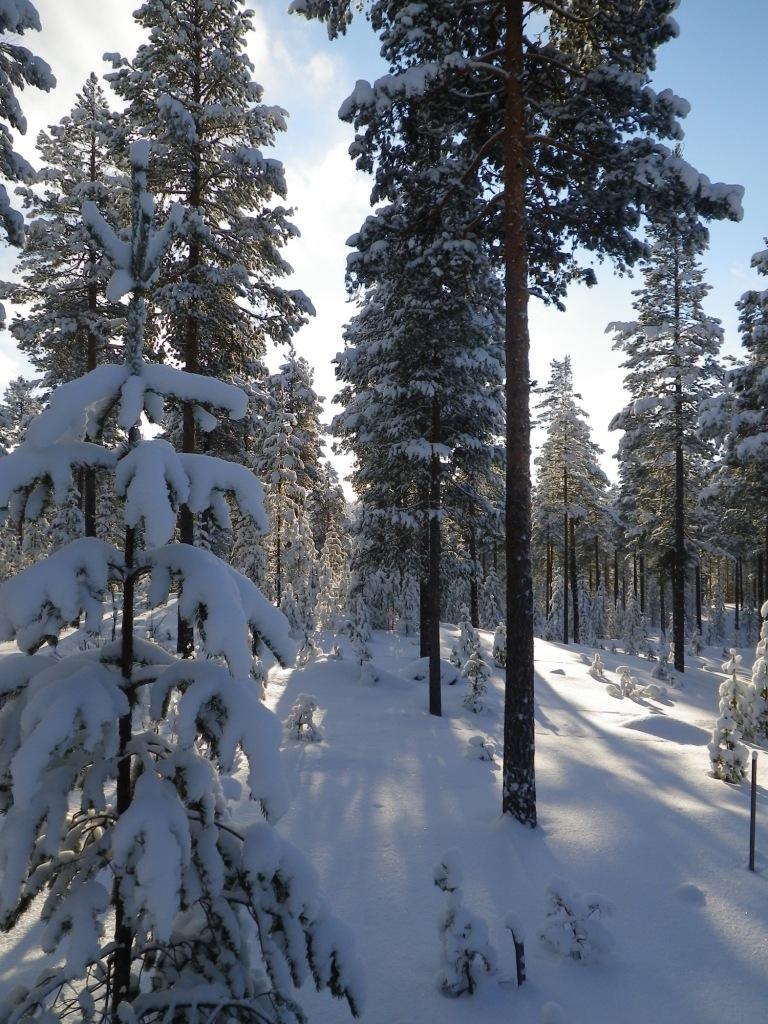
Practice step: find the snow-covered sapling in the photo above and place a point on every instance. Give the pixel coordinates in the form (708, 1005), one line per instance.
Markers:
(696, 644)
(480, 748)
(661, 668)
(466, 953)
(308, 651)
(736, 695)
(597, 668)
(500, 646)
(157, 906)
(727, 753)
(300, 723)
(477, 674)
(758, 689)
(627, 685)
(573, 926)
(467, 642)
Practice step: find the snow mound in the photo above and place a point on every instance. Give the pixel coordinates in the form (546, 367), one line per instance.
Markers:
(666, 728)
(690, 893)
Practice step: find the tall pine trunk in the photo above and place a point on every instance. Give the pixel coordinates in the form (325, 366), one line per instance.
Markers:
(678, 575)
(698, 597)
(642, 584)
(435, 700)
(574, 585)
(566, 557)
(424, 614)
(518, 776)
(474, 606)
(89, 475)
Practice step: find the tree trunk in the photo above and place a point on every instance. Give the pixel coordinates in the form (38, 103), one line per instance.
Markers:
(737, 593)
(597, 563)
(642, 584)
(123, 935)
(634, 576)
(566, 556)
(662, 606)
(698, 597)
(518, 781)
(89, 475)
(548, 582)
(278, 548)
(435, 702)
(474, 605)
(423, 619)
(615, 577)
(574, 585)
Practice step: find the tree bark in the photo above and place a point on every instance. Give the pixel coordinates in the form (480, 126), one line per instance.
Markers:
(615, 577)
(642, 584)
(474, 604)
(597, 563)
(435, 702)
(574, 585)
(423, 618)
(662, 606)
(566, 556)
(698, 597)
(89, 476)
(518, 775)
(548, 582)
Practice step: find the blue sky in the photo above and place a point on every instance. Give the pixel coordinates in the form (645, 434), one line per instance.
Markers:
(717, 64)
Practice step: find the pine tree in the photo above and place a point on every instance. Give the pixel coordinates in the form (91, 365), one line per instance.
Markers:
(111, 790)
(18, 68)
(671, 362)
(558, 172)
(466, 953)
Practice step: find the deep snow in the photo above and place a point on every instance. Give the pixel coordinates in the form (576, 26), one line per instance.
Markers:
(627, 809)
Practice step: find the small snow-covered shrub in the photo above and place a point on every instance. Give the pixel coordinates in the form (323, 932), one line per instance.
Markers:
(736, 695)
(466, 953)
(477, 674)
(758, 688)
(300, 723)
(467, 643)
(727, 753)
(500, 646)
(480, 748)
(597, 668)
(368, 674)
(627, 685)
(573, 927)
(661, 668)
(695, 645)
(308, 651)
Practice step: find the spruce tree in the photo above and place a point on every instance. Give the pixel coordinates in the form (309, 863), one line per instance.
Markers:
(671, 362)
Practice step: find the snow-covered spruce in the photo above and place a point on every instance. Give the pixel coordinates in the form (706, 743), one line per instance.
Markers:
(466, 953)
(477, 674)
(157, 906)
(300, 723)
(573, 926)
(661, 668)
(467, 642)
(500, 646)
(727, 753)
(758, 691)
(735, 695)
(627, 685)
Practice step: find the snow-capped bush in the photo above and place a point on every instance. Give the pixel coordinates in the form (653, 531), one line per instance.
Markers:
(736, 696)
(480, 748)
(573, 926)
(308, 651)
(500, 646)
(696, 644)
(758, 687)
(359, 629)
(477, 674)
(597, 668)
(627, 685)
(467, 643)
(661, 668)
(727, 753)
(633, 633)
(300, 723)
(466, 953)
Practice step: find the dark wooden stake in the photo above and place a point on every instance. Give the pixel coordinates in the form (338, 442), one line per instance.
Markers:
(753, 813)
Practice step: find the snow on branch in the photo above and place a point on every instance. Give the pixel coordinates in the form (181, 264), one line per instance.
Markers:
(229, 715)
(26, 467)
(224, 622)
(38, 603)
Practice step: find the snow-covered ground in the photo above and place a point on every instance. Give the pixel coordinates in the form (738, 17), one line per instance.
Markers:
(627, 809)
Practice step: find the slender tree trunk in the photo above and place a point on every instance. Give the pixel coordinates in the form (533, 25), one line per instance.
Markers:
(123, 935)
(435, 703)
(279, 547)
(518, 781)
(634, 576)
(423, 619)
(474, 604)
(566, 556)
(597, 563)
(548, 583)
(662, 605)
(574, 585)
(698, 597)
(737, 594)
(185, 644)
(615, 577)
(642, 584)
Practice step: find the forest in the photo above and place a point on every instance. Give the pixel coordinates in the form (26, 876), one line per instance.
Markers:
(299, 700)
